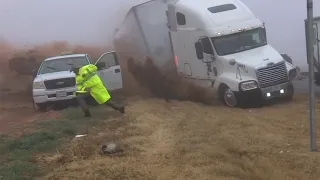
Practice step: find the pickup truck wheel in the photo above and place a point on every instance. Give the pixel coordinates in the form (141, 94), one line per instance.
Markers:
(228, 97)
(41, 107)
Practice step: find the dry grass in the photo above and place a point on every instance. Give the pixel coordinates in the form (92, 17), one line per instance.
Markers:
(184, 140)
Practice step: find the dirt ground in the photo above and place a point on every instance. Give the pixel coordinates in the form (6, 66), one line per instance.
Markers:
(180, 140)
(185, 140)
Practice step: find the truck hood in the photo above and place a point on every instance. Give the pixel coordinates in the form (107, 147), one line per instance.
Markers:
(257, 58)
(56, 75)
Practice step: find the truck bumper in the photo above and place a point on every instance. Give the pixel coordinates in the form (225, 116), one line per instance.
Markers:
(41, 96)
(278, 91)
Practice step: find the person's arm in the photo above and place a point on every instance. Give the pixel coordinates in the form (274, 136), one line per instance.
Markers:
(92, 82)
(88, 90)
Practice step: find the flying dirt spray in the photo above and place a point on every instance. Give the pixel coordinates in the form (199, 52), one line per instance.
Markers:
(167, 86)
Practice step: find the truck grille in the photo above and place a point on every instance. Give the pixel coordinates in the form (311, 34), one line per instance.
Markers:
(272, 75)
(60, 83)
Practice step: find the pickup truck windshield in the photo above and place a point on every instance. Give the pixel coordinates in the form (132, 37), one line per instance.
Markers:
(238, 42)
(62, 64)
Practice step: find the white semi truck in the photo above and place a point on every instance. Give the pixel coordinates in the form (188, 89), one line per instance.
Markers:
(217, 44)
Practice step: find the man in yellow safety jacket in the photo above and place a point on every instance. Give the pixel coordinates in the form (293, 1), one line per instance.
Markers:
(88, 82)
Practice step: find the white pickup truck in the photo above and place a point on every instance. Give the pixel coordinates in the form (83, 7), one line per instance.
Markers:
(54, 82)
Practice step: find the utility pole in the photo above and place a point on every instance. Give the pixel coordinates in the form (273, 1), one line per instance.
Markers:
(310, 55)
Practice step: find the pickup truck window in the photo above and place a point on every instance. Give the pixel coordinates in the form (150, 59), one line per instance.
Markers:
(238, 42)
(110, 59)
(62, 64)
(89, 59)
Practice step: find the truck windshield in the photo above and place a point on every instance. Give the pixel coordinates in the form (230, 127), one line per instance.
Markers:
(62, 64)
(239, 42)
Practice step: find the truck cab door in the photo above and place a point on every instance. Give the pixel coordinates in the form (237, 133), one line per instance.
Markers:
(110, 71)
(208, 57)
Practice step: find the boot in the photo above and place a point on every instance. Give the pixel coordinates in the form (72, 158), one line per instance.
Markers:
(122, 110)
(116, 106)
(87, 114)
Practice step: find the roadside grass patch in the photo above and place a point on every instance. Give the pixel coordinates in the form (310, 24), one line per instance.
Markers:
(18, 155)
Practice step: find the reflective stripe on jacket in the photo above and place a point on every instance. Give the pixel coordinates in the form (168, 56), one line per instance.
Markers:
(88, 78)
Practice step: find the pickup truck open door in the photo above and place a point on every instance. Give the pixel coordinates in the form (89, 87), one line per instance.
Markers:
(110, 71)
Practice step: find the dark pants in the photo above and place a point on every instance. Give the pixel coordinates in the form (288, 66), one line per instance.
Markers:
(81, 99)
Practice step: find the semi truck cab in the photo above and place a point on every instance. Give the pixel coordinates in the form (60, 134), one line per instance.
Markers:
(222, 45)
(216, 44)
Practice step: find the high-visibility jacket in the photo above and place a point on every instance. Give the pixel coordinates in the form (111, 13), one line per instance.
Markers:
(88, 78)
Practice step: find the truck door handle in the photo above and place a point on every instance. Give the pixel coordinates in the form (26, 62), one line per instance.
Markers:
(117, 70)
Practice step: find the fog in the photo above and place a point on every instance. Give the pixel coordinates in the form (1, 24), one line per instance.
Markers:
(93, 22)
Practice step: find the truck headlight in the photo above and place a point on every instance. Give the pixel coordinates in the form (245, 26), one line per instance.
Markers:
(38, 85)
(248, 85)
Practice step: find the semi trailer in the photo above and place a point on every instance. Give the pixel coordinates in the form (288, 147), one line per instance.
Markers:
(219, 45)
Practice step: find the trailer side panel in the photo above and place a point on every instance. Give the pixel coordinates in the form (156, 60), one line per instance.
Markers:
(145, 33)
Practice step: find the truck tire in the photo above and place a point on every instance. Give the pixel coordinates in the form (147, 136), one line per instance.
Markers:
(41, 107)
(227, 96)
(289, 95)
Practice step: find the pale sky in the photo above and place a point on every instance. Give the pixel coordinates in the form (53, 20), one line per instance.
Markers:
(93, 21)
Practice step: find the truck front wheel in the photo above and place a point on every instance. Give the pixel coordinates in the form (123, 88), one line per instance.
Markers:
(227, 96)
(290, 92)
(41, 107)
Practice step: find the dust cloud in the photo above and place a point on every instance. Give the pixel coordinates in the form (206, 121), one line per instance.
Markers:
(15, 61)
(169, 86)
(147, 76)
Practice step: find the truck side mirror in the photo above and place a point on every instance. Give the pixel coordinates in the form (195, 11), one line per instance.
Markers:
(101, 65)
(199, 50)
